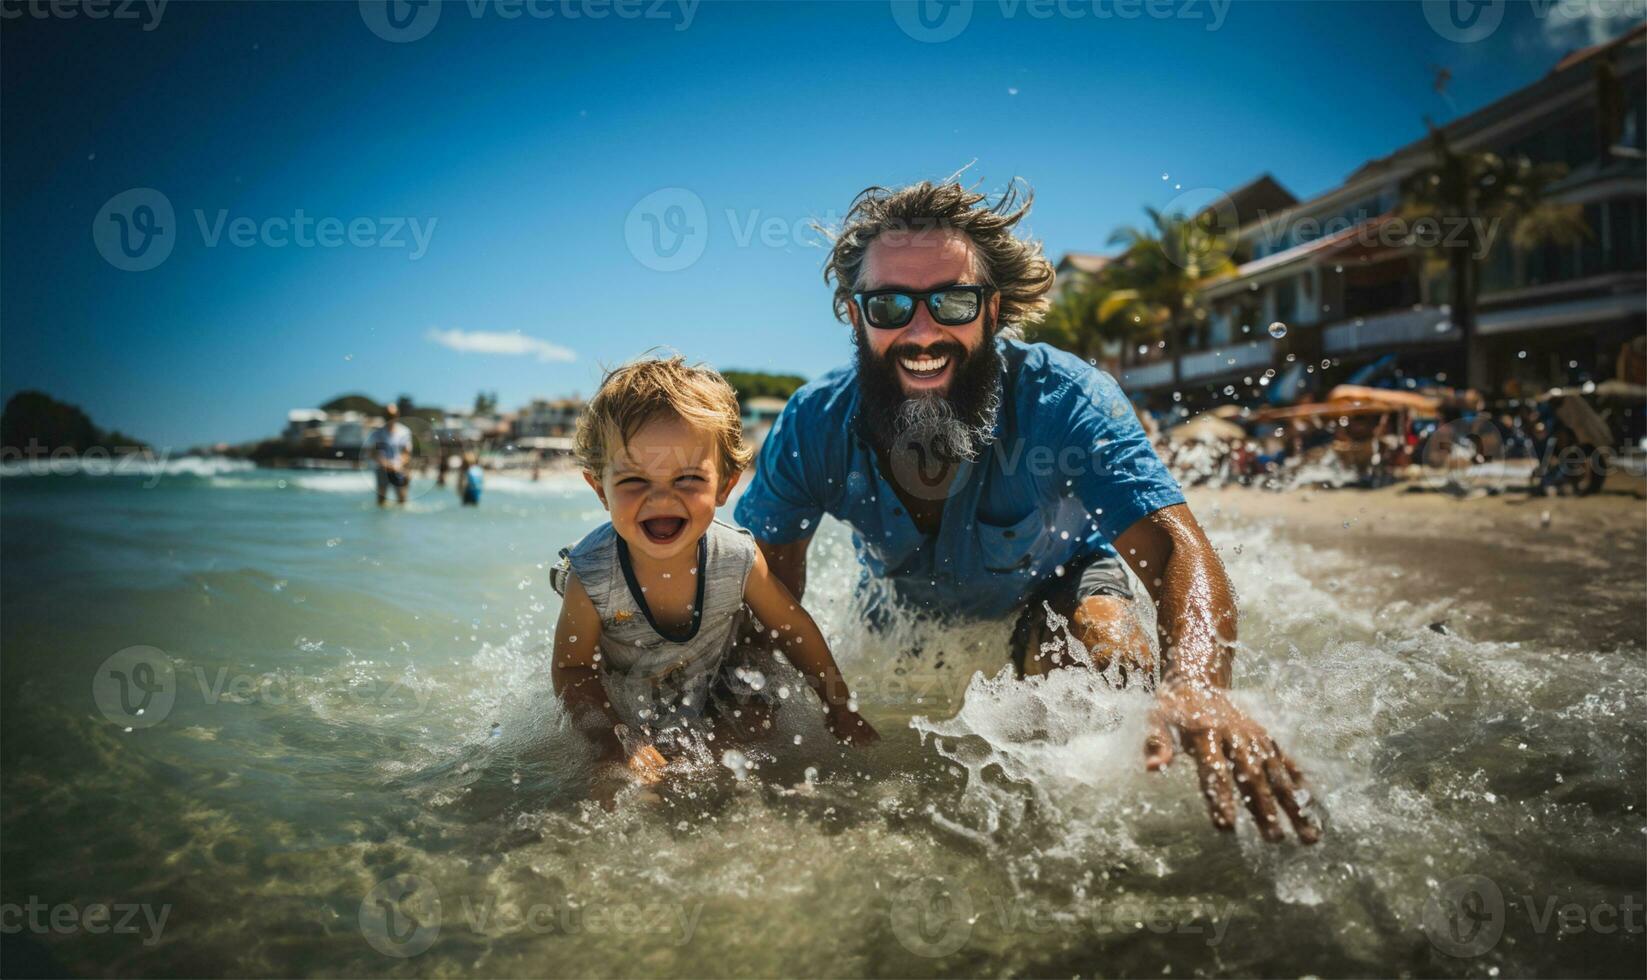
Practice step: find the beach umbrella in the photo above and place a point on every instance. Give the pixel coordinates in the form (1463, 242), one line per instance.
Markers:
(1206, 428)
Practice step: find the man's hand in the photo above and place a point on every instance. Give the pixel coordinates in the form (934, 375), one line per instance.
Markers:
(850, 727)
(1234, 753)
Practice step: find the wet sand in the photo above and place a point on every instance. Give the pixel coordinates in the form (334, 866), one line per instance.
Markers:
(1500, 558)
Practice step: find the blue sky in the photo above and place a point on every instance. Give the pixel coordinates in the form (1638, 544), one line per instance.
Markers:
(519, 149)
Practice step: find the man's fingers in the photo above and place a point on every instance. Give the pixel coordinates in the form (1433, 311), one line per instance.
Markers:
(1216, 783)
(1254, 783)
(1158, 743)
(1280, 771)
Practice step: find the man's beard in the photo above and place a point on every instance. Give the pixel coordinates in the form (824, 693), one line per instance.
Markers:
(948, 428)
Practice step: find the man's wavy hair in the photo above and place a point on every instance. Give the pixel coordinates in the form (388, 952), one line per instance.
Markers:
(1014, 266)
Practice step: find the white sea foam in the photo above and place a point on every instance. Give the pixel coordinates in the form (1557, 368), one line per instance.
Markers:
(123, 465)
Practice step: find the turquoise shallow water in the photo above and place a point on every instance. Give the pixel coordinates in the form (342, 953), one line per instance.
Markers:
(358, 770)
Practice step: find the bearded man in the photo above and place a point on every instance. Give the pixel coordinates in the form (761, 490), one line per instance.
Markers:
(984, 477)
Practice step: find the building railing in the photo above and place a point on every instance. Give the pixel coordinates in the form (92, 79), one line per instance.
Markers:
(1223, 360)
(1147, 375)
(1424, 325)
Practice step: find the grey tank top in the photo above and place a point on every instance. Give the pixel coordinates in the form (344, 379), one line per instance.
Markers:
(651, 678)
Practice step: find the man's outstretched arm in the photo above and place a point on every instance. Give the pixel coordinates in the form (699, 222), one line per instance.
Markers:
(1196, 622)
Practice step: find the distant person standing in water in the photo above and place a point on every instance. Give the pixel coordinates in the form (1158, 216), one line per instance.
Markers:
(470, 480)
(390, 448)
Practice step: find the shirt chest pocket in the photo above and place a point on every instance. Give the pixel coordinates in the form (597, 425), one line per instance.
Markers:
(1013, 547)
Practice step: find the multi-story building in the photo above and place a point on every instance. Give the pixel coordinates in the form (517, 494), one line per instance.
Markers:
(546, 417)
(1349, 281)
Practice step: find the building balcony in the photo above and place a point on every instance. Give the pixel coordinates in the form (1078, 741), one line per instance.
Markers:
(1145, 376)
(1246, 356)
(1399, 328)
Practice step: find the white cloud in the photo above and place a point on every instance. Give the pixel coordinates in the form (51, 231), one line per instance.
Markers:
(492, 342)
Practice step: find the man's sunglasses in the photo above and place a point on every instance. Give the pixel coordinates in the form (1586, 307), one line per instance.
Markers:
(951, 306)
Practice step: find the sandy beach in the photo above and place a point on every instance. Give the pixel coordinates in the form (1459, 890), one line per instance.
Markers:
(1500, 557)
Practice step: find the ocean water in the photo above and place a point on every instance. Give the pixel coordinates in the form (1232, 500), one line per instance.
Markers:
(349, 762)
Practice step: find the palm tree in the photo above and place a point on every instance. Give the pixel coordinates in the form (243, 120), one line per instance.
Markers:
(1156, 278)
(1466, 191)
(1074, 321)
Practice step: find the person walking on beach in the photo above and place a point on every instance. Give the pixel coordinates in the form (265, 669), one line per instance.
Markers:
(988, 478)
(390, 448)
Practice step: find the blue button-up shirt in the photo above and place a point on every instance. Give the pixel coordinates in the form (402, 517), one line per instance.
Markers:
(1070, 468)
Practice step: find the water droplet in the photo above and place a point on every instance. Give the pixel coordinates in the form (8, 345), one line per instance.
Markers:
(1521, 354)
(737, 762)
(1278, 330)
(1229, 389)
(1163, 175)
(806, 523)
(333, 542)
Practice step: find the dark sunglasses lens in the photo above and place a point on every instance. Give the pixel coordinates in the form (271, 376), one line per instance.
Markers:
(954, 306)
(889, 309)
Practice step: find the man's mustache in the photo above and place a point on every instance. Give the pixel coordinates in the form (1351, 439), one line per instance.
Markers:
(944, 348)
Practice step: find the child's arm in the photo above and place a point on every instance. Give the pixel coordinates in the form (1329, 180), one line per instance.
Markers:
(799, 639)
(576, 676)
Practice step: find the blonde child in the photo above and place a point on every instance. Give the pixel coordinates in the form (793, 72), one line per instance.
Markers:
(655, 599)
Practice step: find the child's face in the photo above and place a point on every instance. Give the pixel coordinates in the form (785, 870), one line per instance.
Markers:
(662, 489)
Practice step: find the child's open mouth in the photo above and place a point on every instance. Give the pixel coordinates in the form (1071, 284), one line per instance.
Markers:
(662, 530)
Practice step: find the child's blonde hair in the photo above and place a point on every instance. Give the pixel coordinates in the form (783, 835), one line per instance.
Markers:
(643, 390)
